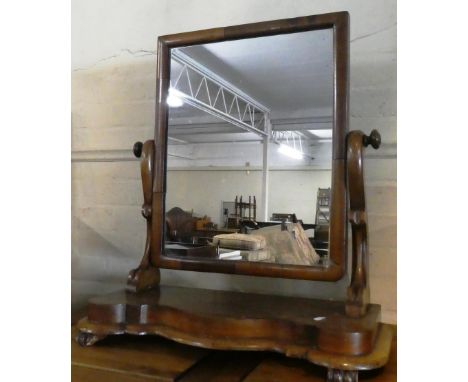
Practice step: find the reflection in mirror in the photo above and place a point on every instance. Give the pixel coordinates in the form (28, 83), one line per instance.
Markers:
(250, 149)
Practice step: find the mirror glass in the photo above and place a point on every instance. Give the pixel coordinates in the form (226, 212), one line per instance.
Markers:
(250, 149)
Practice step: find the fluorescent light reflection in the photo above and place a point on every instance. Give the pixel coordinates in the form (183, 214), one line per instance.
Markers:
(174, 98)
(290, 152)
(323, 134)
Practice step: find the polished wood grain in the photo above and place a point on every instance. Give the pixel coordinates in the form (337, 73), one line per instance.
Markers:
(358, 291)
(163, 70)
(298, 327)
(276, 368)
(339, 22)
(226, 366)
(135, 358)
(130, 359)
(146, 276)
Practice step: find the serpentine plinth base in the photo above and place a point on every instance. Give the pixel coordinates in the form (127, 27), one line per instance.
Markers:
(316, 330)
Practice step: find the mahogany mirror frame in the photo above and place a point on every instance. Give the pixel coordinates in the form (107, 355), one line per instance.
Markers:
(339, 23)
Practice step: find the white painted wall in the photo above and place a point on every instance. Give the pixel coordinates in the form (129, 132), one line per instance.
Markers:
(113, 88)
(238, 154)
(203, 191)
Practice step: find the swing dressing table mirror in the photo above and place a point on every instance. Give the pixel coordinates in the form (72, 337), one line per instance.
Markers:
(261, 95)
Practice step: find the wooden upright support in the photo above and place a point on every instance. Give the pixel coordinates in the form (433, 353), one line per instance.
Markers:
(358, 290)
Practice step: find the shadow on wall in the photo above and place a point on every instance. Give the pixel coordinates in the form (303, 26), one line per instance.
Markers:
(97, 266)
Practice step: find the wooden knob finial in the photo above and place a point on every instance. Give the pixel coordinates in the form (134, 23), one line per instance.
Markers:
(137, 149)
(373, 139)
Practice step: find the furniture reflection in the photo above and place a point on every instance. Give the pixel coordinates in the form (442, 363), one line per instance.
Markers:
(279, 217)
(322, 221)
(194, 250)
(184, 227)
(179, 225)
(242, 211)
(318, 235)
(322, 210)
(287, 242)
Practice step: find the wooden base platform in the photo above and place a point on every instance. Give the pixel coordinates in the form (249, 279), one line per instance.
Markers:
(316, 330)
(153, 358)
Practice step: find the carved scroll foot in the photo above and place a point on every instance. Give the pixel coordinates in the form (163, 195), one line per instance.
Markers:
(141, 279)
(88, 339)
(335, 375)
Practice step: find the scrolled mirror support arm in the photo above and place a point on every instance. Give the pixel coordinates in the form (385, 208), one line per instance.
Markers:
(146, 276)
(358, 290)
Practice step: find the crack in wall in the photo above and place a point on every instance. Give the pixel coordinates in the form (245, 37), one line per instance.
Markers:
(134, 53)
(373, 33)
(144, 52)
(137, 52)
